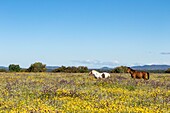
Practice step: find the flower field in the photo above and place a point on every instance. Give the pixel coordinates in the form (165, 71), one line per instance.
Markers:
(80, 93)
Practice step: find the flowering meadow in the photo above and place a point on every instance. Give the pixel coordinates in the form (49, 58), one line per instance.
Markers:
(80, 93)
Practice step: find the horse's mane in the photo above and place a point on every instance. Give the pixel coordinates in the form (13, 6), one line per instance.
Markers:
(131, 69)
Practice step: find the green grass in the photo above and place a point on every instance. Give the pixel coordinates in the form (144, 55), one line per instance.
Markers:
(78, 92)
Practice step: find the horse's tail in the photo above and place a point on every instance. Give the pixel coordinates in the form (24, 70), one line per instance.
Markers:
(148, 76)
(103, 75)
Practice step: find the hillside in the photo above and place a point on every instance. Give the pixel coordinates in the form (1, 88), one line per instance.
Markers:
(3, 67)
(151, 67)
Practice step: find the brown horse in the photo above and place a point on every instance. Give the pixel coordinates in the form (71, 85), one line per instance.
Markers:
(138, 74)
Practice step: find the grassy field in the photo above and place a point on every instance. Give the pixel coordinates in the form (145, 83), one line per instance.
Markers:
(80, 93)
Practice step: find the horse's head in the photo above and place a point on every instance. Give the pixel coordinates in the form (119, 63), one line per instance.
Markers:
(90, 73)
(128, 69)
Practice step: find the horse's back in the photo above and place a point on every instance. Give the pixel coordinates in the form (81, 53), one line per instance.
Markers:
(97, 75)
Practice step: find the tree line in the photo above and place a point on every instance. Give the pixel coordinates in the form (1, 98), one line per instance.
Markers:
(40, 67)
(73, 69)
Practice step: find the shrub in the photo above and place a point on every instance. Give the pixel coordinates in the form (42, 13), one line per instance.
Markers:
(37, 67)
(168, 70)
(121, 69)
(14, 68)
(73, 69)
(60, 69)
(83, 69)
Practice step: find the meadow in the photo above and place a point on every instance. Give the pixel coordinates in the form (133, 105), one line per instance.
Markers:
(80, 93)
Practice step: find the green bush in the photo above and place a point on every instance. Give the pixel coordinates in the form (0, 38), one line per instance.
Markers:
(82, 69)
(121, 69)
(14, 68)
(168, 70)
(37, 67)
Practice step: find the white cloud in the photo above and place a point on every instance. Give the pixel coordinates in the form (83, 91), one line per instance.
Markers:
(96, 63)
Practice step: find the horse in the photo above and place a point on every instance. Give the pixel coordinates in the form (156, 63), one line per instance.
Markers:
(98, 75)
(138, 74)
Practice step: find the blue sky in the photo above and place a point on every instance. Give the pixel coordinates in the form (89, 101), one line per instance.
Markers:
(93, 33)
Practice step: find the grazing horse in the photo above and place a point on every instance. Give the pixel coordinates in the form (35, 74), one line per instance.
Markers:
(98, 75)
(138, 74)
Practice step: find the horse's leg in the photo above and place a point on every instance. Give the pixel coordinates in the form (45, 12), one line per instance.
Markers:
(133, 76)
(144, 76)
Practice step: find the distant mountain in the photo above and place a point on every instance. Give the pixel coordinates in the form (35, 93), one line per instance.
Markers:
(3, 67)
(151, 67)
(105, 69)
(50, 68)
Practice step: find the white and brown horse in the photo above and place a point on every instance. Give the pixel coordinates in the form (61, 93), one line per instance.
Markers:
(98, 75)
